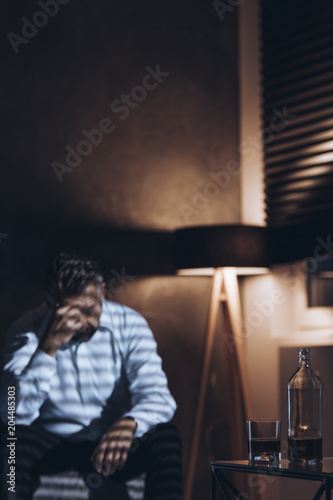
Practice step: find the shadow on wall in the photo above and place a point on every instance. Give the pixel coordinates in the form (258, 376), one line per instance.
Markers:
(122, 113)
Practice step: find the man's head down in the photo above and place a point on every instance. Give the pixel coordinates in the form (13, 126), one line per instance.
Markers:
(68, 275)
(74, 289)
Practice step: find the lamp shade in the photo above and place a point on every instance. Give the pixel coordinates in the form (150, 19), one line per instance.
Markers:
(221, 246)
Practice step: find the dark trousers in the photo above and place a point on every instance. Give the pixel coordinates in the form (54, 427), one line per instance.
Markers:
(37, 451)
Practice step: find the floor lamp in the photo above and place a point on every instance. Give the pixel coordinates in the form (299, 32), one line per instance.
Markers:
(223, 252)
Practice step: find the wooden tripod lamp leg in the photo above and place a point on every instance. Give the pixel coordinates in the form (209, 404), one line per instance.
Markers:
(209, 341)
(235, 316)
(232, 299)
(223, 278)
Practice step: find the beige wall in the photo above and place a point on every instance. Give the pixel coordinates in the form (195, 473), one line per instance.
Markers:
(152, 166)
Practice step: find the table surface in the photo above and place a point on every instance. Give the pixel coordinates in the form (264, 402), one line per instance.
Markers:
(283, 468)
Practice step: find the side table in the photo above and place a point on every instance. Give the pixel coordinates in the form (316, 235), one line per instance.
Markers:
(322, 472)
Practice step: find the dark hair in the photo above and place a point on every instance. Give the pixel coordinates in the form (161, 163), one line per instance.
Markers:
(68, 275)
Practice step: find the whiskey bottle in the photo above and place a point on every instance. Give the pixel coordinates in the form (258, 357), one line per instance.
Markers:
(304, 412)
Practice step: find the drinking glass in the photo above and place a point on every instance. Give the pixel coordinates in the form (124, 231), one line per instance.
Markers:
(264, 440)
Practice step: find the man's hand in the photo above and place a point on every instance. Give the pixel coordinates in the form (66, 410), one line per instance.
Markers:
(112, 450)
(66, 323)
(76, 316)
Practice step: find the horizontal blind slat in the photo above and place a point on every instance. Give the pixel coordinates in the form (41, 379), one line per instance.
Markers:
(297, 79)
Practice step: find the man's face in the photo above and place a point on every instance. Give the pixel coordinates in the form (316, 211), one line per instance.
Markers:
(89, 305)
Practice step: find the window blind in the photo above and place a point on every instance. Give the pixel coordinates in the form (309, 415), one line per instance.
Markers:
(297, 80)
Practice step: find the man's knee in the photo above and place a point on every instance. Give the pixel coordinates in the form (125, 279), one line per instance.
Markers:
(165, 438)
(162, 436)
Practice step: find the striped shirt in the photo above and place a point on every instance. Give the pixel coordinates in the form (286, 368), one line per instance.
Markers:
(88, 385)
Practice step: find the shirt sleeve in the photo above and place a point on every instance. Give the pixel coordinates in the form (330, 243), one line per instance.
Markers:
(30, 371)
(152, 402)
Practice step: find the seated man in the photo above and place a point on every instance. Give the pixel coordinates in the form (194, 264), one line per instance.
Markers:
(85, 381)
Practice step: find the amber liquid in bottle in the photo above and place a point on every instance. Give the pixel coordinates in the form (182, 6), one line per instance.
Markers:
(304, 413)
